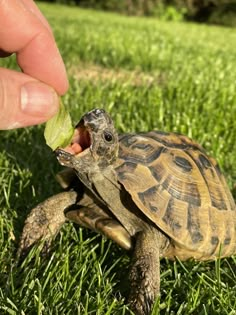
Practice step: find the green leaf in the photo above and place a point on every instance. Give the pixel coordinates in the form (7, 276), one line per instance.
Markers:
(59, 130)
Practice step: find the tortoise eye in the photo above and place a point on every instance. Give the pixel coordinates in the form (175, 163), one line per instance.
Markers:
(108, 136)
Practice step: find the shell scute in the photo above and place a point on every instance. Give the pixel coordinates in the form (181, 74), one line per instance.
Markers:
(170, 218)
(181, 190)
(183, 163)
(142, 151)
(193, 224)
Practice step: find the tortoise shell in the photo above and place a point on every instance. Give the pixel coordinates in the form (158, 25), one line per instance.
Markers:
(181, 190)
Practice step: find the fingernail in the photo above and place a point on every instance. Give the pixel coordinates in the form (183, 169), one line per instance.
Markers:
(38, 99)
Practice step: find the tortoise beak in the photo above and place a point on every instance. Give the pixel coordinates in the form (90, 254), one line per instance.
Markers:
(64, 157)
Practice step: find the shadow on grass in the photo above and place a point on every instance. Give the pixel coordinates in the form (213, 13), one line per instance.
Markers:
(34, 167)
(29, 168)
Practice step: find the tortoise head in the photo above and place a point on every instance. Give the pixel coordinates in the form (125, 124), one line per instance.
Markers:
(95, 143)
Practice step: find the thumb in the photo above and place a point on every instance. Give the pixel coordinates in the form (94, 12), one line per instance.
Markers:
(24, 101)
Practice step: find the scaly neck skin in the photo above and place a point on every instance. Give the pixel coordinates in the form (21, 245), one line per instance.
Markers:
(101, 180)
(105, 184)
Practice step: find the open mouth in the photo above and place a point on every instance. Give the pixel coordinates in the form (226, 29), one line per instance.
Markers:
(80, 141)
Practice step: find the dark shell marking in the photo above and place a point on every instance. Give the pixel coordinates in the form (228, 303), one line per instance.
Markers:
(182, 190)
(183, 163)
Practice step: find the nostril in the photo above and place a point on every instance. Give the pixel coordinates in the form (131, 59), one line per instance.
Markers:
(99, 111)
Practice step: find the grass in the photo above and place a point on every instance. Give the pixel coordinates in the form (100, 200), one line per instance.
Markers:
(149, 75)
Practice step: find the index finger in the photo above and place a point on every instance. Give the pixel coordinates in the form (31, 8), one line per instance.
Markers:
(24, 31)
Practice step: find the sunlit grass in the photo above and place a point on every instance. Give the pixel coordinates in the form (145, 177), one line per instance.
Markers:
(190, 89)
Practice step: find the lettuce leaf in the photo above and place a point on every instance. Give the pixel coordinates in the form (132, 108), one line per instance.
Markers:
(59, 129)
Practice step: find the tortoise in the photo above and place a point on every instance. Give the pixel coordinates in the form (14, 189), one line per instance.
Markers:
(156, 194)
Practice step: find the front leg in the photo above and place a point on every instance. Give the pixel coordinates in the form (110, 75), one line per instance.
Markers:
(45, 220)
(145, 271)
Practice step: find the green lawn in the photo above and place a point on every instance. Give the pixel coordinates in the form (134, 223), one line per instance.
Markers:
(149, 75)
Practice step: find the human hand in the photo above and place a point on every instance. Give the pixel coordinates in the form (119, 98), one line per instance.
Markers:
(30, 97)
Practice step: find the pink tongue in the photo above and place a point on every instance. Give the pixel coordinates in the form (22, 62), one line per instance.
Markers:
(74, 148)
